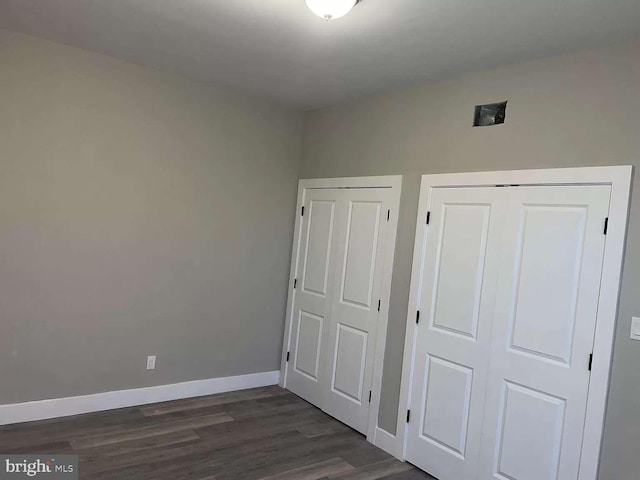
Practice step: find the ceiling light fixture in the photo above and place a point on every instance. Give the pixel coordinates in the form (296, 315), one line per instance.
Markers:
(330, 9)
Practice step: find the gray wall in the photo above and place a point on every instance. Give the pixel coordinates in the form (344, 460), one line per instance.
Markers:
(567, 111)
(140, 213)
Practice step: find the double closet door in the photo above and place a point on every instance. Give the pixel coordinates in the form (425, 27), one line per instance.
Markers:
(509, 296)
(336, 304)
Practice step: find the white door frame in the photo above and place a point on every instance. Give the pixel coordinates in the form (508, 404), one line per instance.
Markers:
(620, 180)
(393, 182)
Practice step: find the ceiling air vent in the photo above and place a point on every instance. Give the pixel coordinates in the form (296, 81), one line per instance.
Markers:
(490, 114)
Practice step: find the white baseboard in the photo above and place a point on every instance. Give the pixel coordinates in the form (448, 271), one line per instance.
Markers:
(386, 441)
(63, 407)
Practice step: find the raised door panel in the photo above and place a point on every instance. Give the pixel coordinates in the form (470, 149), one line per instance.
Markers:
(350, 356)
(529, 434)
(551, 244)
(361, 249)
(308, 345)
(315, 270)
(459, 268)
(447, 398)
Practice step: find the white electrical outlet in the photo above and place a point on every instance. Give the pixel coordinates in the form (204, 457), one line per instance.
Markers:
(635, 328)
(151, 362)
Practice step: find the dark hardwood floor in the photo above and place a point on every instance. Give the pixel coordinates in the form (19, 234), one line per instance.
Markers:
(264, 433)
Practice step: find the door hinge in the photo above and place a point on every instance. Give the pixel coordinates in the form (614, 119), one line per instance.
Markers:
(302, 214)
(408, 415)
(378, 305)
(606, 225)
(369, 396)
(590, 361)
(288, 353)
(388, 215)
(428, 217)
(417, 317)
(295, 282)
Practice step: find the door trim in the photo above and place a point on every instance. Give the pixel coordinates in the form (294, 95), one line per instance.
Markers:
(619, 178)
(393, 182)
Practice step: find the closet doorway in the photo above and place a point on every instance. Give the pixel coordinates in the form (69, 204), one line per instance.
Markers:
(338, 302)
(511, 323)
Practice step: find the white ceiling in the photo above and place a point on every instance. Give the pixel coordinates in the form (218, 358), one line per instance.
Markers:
(279, 50)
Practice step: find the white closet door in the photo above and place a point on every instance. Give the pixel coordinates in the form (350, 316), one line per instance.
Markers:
(543, 333)
(460, 268)
(361, 233)
(314, 293)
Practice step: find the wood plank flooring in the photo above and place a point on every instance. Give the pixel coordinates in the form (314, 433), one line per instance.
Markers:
(259, 434)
